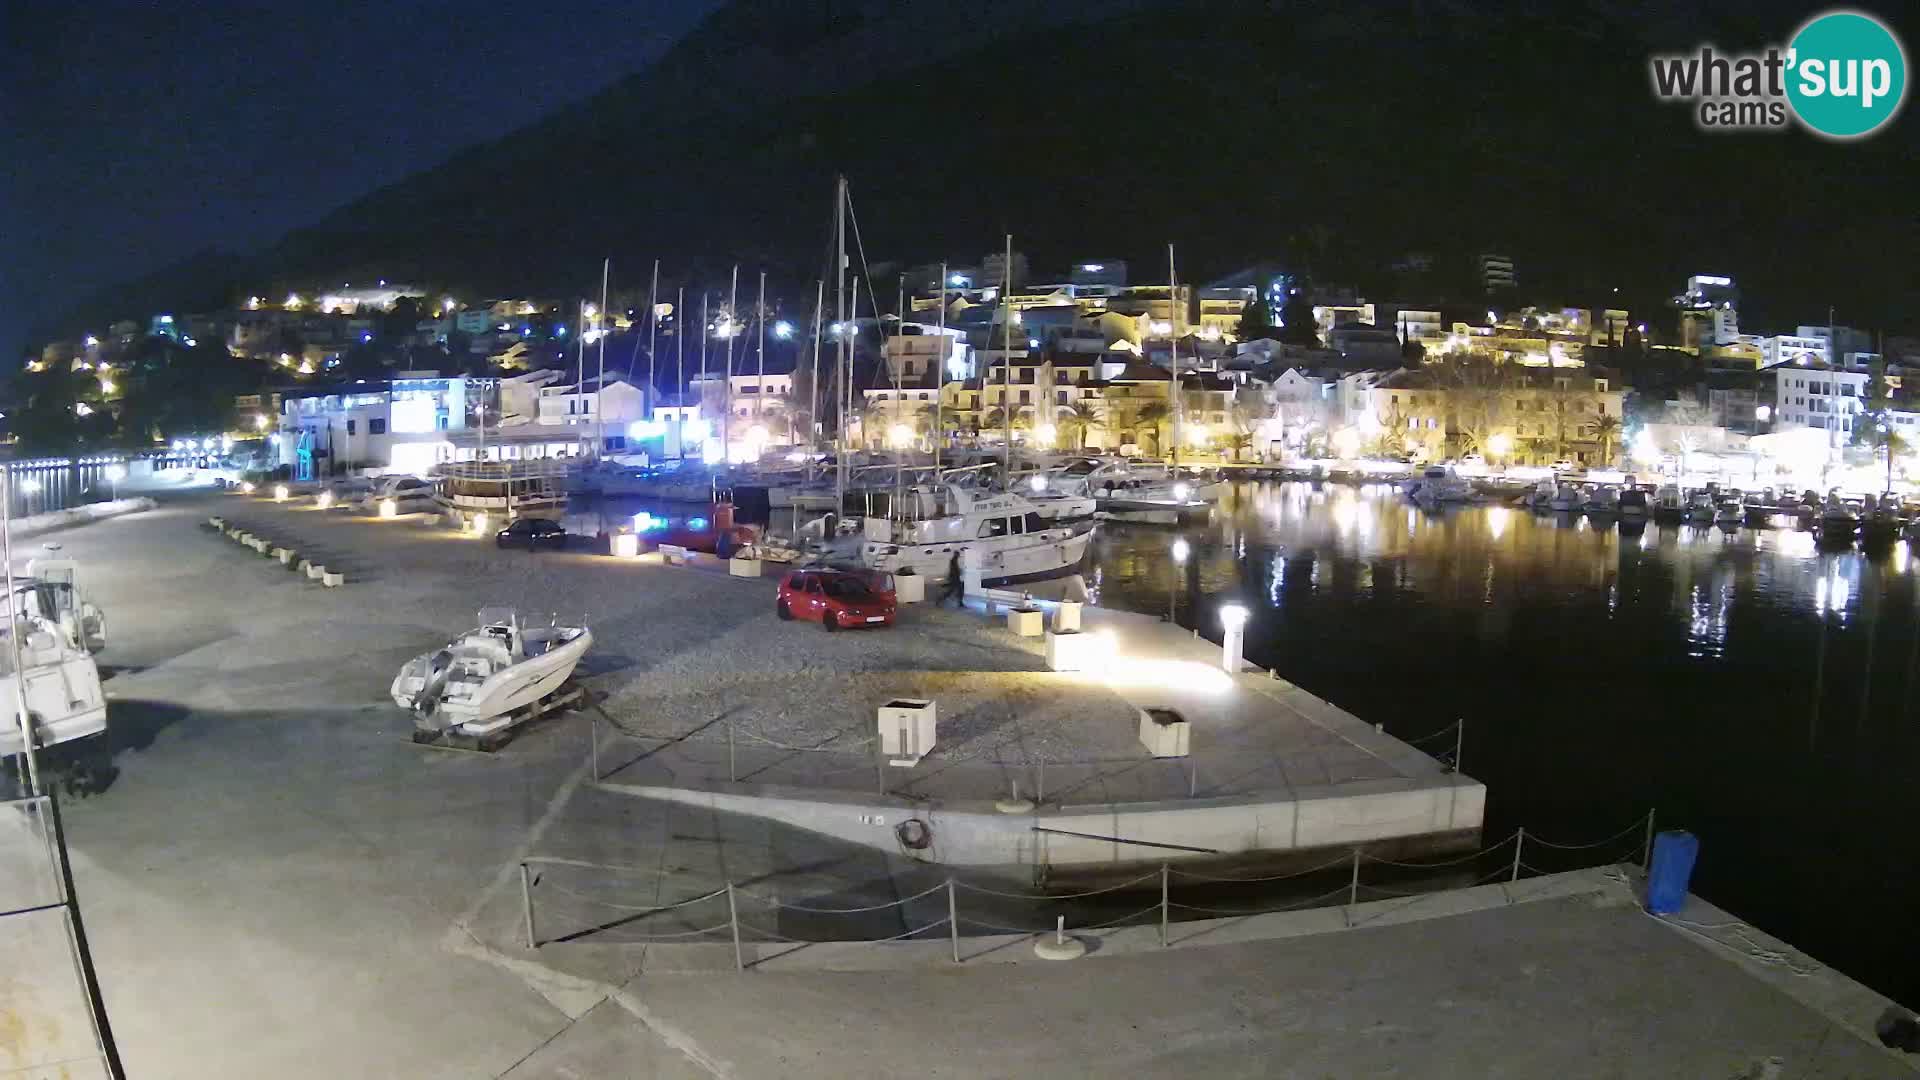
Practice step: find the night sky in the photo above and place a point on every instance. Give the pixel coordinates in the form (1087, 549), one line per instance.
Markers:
(138, 133)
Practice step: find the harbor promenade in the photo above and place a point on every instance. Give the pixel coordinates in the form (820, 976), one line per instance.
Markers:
(277, 882)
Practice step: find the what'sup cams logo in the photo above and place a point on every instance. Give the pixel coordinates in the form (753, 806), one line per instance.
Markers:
(1842, 76)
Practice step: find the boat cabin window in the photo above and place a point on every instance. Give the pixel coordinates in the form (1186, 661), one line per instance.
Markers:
(1034, 524)
(993, 527)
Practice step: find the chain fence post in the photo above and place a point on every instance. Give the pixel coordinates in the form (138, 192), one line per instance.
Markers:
(1353, 884)
(1459, 741)
(733, 920)
(879, 768)
(1040, 784)
(1164, 875)
(1519, 841)
(733, 775)
(526, 902)
(953, 920)
(593, 736)
(1646, 853)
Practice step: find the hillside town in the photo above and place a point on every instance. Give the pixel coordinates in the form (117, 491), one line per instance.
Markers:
(1272, 366)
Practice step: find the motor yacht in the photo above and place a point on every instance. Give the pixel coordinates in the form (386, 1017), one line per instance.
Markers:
(1002, 532)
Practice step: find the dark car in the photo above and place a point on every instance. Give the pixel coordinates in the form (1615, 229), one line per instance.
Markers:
(532, 534)
(834, 599)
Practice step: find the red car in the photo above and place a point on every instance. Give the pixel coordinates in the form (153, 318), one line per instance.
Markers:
(835, 599)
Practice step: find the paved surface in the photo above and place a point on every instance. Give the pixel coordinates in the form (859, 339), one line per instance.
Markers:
(1560, 988)
(277, 883)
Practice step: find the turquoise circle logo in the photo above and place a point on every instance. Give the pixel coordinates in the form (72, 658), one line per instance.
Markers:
(1847, 74)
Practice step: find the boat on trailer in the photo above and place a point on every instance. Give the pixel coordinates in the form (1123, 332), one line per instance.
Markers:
(489, 678)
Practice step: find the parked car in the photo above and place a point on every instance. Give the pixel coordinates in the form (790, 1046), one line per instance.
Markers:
(533, 534)
(833, 598)
(1568, 465)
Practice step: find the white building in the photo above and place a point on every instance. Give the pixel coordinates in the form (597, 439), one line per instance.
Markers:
(1816, 395)
(616, 404)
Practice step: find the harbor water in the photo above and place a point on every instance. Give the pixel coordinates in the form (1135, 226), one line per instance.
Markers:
(1744, 684)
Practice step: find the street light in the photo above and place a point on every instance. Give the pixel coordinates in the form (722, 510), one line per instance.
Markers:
(1233, 620)
(1500, 444)
(1180, 552)
(783, 329)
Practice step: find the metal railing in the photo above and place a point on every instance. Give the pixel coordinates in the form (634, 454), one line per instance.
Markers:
(739, 913)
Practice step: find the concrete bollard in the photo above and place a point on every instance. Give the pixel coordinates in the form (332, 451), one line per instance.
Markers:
(285, 555)
(217, 522)
(315, 571)
(1026, 622)
(333, 581)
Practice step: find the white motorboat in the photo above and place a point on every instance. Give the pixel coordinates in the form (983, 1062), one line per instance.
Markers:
(1838, 519)
(1567, 499)
(1603, 501)
(1002, 532)
(52, 592)
(60, 682)
(1633, 504)
(1669, 504)
(1440, 484)
(478, 679)
(406, 493)
(1729, 512)
(1119, 486)
(1701, 509)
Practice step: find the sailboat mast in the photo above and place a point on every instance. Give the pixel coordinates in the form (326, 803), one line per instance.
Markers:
(899, 402)
(1173, 362)
(653, 327)
(940, 376)
(1006, 366)
(703, 367)
(680, 370)
(726, 418)
(760, 405)
(813, 387)
(840, 325)
(580, 376)
(600, 383)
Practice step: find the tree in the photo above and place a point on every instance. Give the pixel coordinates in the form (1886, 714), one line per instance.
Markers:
(1412, 354)
(1256, 321)
(1605, 428)
(1477, 392)
(1297, 323)
(1872, 428)
(1076, 420)
(1565, 412)
(1243, 424)
(1151, 416)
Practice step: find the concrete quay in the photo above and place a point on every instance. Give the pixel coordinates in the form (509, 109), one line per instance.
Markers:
(277, 882)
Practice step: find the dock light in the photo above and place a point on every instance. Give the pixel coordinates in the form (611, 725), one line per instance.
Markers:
(279, 493)
(644, 521)
(1181, 549)
(1181, 490)
(480, 523)
(646, 429)
(246, 487)
(1233, 619)
(389, 508)
(900, 435)
(324, 500)
(30, 486)
(1038, 483)
(226, 442)
(783, 329)
(1044, 434)
(116, 473)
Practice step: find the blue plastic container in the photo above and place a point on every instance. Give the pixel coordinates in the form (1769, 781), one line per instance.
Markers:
(1674, 854)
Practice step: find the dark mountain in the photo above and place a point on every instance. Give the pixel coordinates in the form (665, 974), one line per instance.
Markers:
(1336, 137)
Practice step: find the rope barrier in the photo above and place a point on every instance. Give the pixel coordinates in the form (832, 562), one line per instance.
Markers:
(1469, 857)
(1297, 905)
(839, 911)
(1411, 901)
(1150, 908)
(630, 907)
(1758, 953)
(1061, 896)
(659, 937)
(1012, 929)
(1430, 736)
(1344, 860)
(1639, 824)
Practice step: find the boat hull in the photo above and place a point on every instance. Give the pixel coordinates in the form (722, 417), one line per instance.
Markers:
(1047, 556)
(508, 690)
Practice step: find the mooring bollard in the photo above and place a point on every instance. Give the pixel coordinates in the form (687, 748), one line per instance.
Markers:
(315, 571)
(333, 580)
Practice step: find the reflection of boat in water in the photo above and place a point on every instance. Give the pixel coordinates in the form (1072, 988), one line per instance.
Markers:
(1700, 509)
(478, 678)
(1757, 509)
(1002, 532)
(1603, 502)
(1567, 499)
(1729, 513)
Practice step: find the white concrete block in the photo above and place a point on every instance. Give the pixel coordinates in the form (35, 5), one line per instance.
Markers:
(908, 729)
(739, 567)
(675, 555)
(333, 581)
(626, 545)
(909, 588)
(285, 555)
(1066, 617)
(316, 572)
(1074, 652)
(1165, 733)
(1026, 622)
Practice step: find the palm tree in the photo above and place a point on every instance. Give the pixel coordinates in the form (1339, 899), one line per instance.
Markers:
(1076, 419)
(996, 420)
(1606, 428)
(1152, 415)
